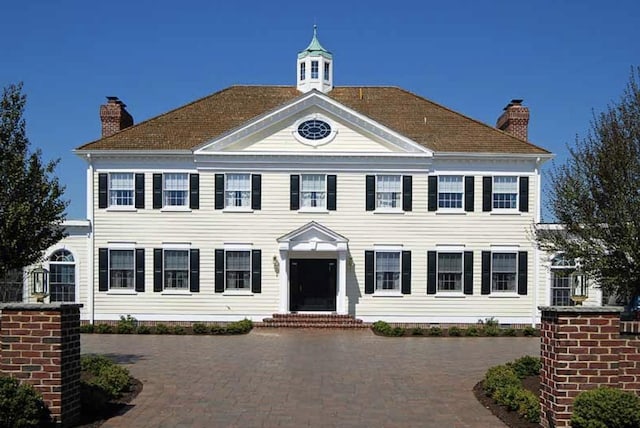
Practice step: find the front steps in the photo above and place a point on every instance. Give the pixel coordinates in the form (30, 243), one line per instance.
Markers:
(312, 321)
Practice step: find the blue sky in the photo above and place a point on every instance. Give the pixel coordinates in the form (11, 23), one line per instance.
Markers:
(564, 58)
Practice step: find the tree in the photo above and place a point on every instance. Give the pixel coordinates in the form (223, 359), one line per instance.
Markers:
(595, 196)
(31, 204)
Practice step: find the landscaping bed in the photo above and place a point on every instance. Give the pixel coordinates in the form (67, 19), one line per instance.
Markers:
(129, 325)
(487, 328)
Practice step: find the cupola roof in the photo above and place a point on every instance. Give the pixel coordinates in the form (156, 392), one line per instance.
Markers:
(315, 48)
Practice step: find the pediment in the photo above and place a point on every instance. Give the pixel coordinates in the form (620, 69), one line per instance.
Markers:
(313, 236)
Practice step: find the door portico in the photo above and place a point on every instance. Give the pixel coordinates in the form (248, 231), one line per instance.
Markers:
(312, 241)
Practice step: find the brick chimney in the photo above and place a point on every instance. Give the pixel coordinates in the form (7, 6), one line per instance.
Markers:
(515, 119)
(114, 116)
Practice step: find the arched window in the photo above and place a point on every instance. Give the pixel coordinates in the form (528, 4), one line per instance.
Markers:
(62, 277)
(562, 270)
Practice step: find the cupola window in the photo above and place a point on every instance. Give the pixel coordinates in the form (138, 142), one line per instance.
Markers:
(303, 70)
(314, 69)
(326, 71)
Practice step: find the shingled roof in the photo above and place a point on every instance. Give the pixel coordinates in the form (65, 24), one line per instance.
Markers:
(425, 122)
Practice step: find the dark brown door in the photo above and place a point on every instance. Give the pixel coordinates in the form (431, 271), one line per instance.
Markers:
(312, 285)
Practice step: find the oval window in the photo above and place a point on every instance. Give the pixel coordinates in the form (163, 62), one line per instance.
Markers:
(314, 129)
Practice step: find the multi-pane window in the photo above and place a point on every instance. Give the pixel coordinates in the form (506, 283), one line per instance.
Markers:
(504, 272)
(314, 69)
(121, 189)
(238, 190)
(505, 192)
(175, 189)
(313, 191)
(562, 270)
(387, 270)
(176, 269)
(326, 71)
(121, 269)
(62, 277)
(450, 191)
(449, 271)
(237, 270)
(388, 191)
(303, 71)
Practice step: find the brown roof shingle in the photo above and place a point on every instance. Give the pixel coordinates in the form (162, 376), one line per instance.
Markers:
(425, 122)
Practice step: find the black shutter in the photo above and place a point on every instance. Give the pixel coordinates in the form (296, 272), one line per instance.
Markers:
(431, 272)
(256, 191)
(139, 191)
(432, 191)
(219, 275)
(194, 191)
(406, 272)
(524, 194)
(407, 192)
(219, 197)
(468, 194)
(331, 192)
(294, 193)
(369, 275)
(103, 182)
(140, 270)
(157, 269)
(194, 268)
(468, 272)
(487, 185)
(157, 191)
(256, 271)
(486, 273)
(371, 193)
(522, 273)
(103, 269)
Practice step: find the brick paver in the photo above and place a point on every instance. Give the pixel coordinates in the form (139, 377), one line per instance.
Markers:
(307, 378)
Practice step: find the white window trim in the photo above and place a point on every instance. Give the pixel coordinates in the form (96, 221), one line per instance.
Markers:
(315, 143)
(381, 292)
(121, 246)
(122, 208)
(236, 291)
(460, 210)
(326, 195)
(176, 247)
(499, 211)
(453, 249)
(187, 203)
(233, 208)
(506, 293)
(387, 210)
(76, 270)
(112, 207)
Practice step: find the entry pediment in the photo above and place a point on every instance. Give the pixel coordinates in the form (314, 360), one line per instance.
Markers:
(313, 237)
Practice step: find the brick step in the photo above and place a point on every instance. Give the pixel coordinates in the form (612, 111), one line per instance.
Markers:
(300, 324)
(312, 321)
(313, 316)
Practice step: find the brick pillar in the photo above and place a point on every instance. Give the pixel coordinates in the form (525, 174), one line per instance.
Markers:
(579, 351)
(41, 346)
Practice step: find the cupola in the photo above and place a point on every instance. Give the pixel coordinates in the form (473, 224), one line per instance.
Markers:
(315, 67)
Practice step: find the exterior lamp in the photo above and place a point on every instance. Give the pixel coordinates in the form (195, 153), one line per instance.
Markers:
(40, 283)
(579, 287)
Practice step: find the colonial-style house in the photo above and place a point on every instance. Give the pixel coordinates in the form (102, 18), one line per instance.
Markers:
(372, 202)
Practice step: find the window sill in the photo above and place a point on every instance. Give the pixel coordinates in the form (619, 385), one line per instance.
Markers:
(237, 293)
(176, 293)
(122, 208)
(497, 295)
(176, 209)
(459, 295)
(505, 212)
(387, 294)
(122, 292)
(313, 210)
(450, 212)
(237, 210)
(388, 211)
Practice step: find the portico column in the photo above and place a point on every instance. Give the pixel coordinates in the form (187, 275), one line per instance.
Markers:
(341, 303)
(283, 259)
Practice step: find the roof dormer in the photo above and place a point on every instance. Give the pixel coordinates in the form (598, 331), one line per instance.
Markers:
(315, 67)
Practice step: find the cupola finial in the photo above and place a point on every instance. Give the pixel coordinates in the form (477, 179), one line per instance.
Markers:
(315, 68)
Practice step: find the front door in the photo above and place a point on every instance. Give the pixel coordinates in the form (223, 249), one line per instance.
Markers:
(312, 285)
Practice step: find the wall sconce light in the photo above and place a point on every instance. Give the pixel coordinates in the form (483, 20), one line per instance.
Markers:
(276, 265)
(350, 262)
(40, 283)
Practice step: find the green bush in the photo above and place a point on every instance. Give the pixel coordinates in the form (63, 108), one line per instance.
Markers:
(528, 405)
(106, 375)
(417, 331)
(199, 328)
(526, 366)
(94, 363)
(472, 331)
(606, 408)
(529, 331)
(512, 332)
(103, 329)
(490, 322)
(162, 329)
(21, 405)
(87, 328)
(143, 329)
(499, 377)
(435, 331)
(217, 329)
(126, 325)
(178, 329)
(491, 330)
(239, 327)
(454, 331)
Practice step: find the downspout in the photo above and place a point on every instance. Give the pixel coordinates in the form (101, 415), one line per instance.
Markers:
(536, 250)
(90, 242)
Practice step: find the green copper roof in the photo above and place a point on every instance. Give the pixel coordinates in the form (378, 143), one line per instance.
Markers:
(315, 48)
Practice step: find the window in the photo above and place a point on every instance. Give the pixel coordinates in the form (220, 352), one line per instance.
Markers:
(121, 269)
(503, 272)
(238, 190)
(62, 277)
(450, 191)
(314, 129)
(121, 189)
(387, 271)
(450, 272)
(313, 191)
(175, 189)
(314, 69)
(303, 71)
(505, 192)
(388, 191)
(176, 269)
(237, 270)
(326, 71)
(562, 274)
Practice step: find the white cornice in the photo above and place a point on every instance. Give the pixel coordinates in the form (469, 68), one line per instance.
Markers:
(502, 156)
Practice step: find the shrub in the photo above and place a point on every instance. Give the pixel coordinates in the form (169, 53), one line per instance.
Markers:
(499, 377)
(472, 331)
(162, 329)
(490, 322)
(178, 329)
(526, 366)
(126, 325)
(455, 331)
(217, 329)
(435, 331)
(491, 330)
(606, 408)
(529, 331)
(103, 329)
(239, 327)
(381, 327)
(105, 375)
(510, 332)
(94, 363)
(143, 329)
(87, 328)
(200, 328)
(397, 331)
(417, 331)
(21, 405)
(528, 405)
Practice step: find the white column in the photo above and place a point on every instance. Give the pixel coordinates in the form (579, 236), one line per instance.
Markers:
(341, 303)
(284, 281)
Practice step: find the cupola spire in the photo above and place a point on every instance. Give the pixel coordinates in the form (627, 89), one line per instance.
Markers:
(315, 66)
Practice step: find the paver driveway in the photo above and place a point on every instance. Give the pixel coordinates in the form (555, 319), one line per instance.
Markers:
(300, 378)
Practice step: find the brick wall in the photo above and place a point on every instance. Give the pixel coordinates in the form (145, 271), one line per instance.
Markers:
(582, 348)
(41, 346)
